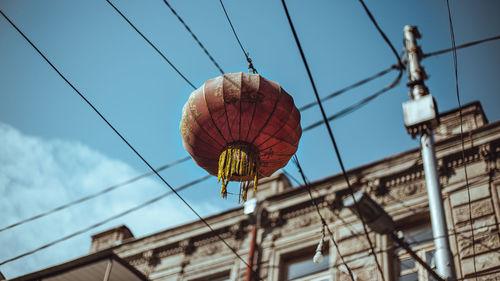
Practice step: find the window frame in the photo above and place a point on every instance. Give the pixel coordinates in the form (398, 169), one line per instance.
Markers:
(221, 274)
(420, 249)
(304, 255)
(294, 247)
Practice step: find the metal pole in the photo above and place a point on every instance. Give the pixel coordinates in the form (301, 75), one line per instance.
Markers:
(444, 260)
(420, 117)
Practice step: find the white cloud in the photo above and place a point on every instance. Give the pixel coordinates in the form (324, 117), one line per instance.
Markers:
(37, 175)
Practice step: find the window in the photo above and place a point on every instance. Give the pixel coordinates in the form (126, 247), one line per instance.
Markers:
(222, 278)
(406, 268)
(217, 277)
(302, 268)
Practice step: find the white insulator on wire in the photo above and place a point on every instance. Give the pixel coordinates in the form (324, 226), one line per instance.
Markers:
(318, 257)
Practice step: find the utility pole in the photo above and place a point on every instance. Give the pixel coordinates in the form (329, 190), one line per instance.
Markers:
(421, 116)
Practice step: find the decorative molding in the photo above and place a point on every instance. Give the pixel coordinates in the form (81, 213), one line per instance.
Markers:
(374, 187)
(486, 241)
(186, 246)
(455, 160)
(478, 209)
(488, 153)
(208, 250)
(412, 174)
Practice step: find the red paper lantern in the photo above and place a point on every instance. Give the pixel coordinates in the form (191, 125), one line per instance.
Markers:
(240, 127)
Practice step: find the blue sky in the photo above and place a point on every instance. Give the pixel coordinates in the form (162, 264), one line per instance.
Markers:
(54, 148)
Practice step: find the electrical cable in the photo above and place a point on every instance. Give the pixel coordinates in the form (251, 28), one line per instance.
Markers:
(357, 105)
(456, 234)
(291, 176)
(455, 64)
(194, 37)
(124, 140)
(357, 257)
(305, 107)
(339, 158)
(93, 195)
(83, 199)
(343, 112)
(247, 57)
(121, 214)
(151, 44)
(178, 161)
(385, 71)
(323, 222)
(400, 63)
(440, 52)
(350, 87)
(480, 179)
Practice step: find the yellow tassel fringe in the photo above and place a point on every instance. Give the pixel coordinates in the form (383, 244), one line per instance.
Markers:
(238, 162)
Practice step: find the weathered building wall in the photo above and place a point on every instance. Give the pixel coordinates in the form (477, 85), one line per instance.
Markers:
(290, 227)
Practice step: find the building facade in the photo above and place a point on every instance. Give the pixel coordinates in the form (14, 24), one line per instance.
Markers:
(288, 227)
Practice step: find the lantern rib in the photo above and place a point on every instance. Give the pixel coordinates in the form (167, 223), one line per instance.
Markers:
(202, 157)
(225, 109)
(210, 114)
(240, 87)
(104, 119)
(201, 127)
(294, 131)
(279, 129)
(279, 165)
(280, 139)
(254, 110)
(268, 118)
(204, 141)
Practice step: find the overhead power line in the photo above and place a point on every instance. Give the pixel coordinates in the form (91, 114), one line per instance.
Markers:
(332, 138)
(466, 45)
(350, 87)
(194, 37)
(357, 105)
(323, 222)
(382, 33)
(125, 141)
(178, 161)
(455, 64)
(128, 211)
(151, 44)
(385, 71)
(247, 57)
(303, 108)
(290, 176)
(94, 195)
(339, 114)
